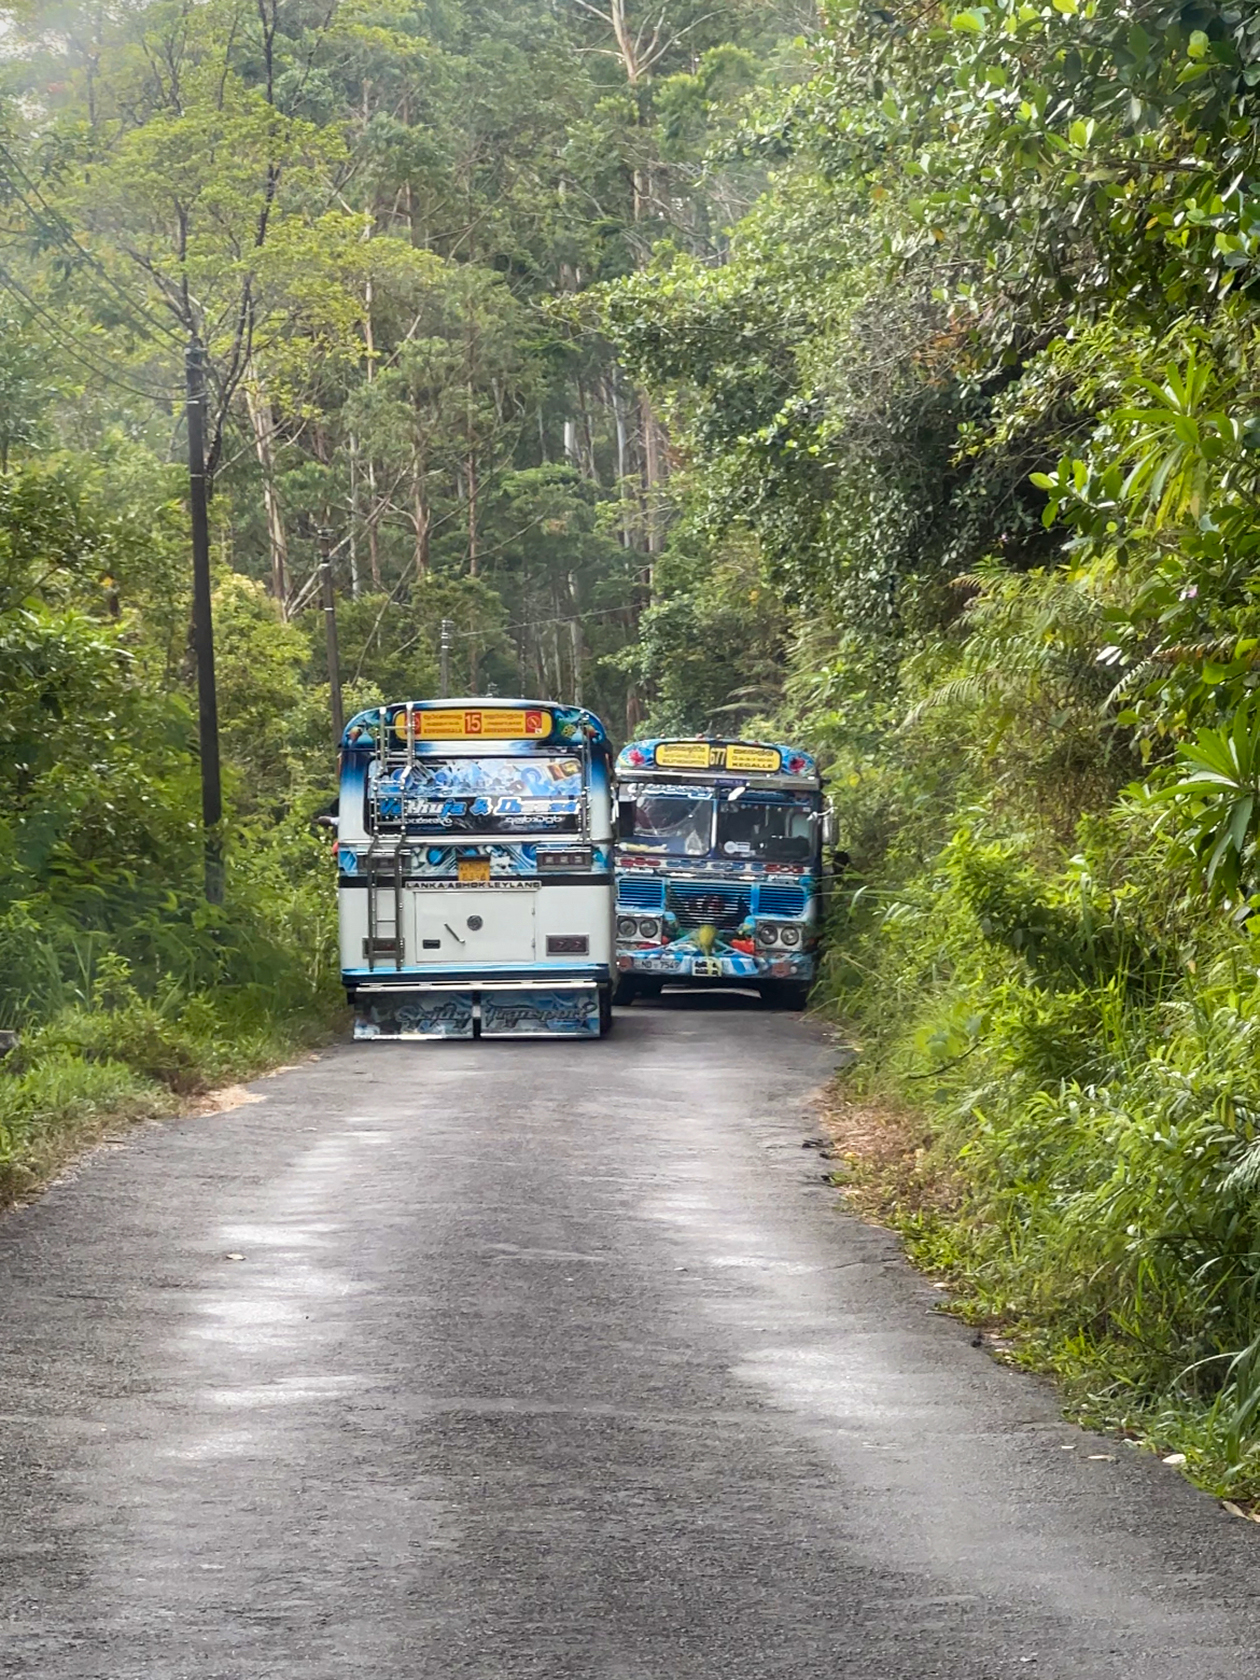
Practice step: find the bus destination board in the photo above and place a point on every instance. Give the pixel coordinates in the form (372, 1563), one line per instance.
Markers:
(753, 758)
(684, 755)
(479, 723)
(717, 755)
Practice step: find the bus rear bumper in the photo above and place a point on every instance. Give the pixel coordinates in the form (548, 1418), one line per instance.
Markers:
(524, 1008)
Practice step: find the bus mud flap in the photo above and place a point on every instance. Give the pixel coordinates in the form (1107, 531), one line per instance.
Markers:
(571, 1012)
(416, 1014)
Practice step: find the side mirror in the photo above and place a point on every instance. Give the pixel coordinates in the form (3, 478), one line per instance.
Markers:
(625, 818)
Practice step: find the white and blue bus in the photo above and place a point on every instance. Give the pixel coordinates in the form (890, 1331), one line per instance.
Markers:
(722, 851)
(474, 847)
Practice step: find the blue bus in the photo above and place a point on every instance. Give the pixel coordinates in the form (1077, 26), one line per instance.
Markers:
(474, 849)
(719, 867)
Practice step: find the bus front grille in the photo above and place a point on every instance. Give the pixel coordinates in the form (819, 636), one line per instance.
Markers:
(697, 904)
(640, 893)
(776, 898)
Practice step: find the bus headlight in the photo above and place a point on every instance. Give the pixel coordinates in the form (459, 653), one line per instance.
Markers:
(766, 933)
(649, 927)
(625, 927)
(789, 936)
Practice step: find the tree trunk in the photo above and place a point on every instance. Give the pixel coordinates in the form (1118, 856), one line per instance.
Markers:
(353, 533)
(558, 689)
(588, 435)
(472, 516)
(374, 550)
(470, 434)
(651, 477)
(369, 349)
(407, 206)
(575, 632)
(540, 667)
(420, 519)
(260, 419)
(623, 462)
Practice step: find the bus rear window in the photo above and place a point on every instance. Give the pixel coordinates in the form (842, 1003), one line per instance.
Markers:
(492, 795)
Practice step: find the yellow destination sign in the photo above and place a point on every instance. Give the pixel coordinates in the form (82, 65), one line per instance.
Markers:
(753, 758)
(716, 755)
(683, 755)
(486, 723)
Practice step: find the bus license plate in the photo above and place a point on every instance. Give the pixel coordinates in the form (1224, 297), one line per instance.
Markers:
(473, 869)
(706, 968)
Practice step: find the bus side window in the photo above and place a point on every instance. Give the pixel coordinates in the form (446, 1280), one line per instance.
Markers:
(625, 818)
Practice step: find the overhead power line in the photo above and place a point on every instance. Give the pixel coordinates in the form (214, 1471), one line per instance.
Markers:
(53, 327)
(65, 234)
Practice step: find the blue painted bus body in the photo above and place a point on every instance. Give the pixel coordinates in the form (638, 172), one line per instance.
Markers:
(718, 865)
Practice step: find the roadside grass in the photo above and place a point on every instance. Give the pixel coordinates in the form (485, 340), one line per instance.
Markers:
(1057, 1105)
(58, 1108)
(89, 1072)
(138, 1020)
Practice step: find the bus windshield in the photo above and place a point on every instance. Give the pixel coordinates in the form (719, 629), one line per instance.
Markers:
(676, 820)
(762, 824)
(491, 795)
(782, 832)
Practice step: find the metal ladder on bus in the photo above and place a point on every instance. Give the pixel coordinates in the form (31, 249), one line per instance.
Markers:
(383, 869)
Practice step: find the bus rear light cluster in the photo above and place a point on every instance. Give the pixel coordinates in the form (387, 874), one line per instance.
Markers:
(778, 933)
(572, 857)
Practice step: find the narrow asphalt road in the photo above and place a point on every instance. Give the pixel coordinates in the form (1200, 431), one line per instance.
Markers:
(508, 1360)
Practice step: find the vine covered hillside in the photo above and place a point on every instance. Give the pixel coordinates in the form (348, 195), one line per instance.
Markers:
(371, 223)
(977, 385)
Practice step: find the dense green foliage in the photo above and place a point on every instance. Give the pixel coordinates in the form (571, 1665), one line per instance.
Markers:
(378, 218)
(978, 374)
(123, 982)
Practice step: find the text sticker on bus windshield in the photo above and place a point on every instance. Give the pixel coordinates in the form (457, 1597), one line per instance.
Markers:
(490, 723)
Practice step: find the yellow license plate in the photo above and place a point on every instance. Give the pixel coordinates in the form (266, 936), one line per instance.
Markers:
(474, 869)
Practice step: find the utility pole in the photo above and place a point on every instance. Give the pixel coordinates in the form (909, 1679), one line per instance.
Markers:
(444, 659)
(203, 626)
(330, 636)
